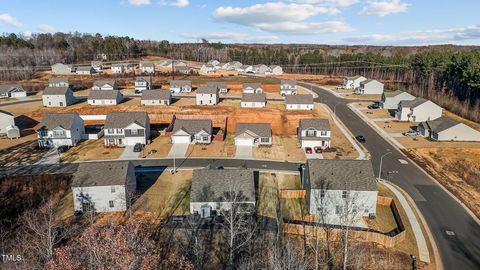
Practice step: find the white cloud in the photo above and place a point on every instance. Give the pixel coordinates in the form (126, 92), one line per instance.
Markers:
(46, 28)
(180, 3)
(139, 2)
(230, 36)
(9, 20)
(329, 3)
(384, 8)
(426, 37)
(300, 28)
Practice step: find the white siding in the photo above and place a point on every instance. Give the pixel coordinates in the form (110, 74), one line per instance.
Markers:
(299, 106)
(6, 120)
(207, 99)
(460, 132)
(253, 104)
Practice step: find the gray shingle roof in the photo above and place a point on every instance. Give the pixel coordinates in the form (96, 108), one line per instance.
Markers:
(147, 64)
(84, 68)
(217, 84)
(192, 126)
(104, 94)
(289, 82)
(254, 97)
(393, 94)
(101, 83)
(144, 79)
(207, 90)
(259, 129)
(440, 124)
(53, 120)
(299, 99)
(123, 119)
(58, 80)
(4, 88)
(318, 124)
(342, 174)
(156, 94)
(413, 103)
(56, 90)
(213, 185)
(180, 83)
(252, 85)
(353, 77)
(101, 174)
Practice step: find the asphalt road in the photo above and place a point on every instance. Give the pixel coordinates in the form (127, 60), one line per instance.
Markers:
(442, 212)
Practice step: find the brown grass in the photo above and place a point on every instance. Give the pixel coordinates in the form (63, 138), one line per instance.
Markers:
(421, 142)
(91, 150)
(394, 126)
(25, 153)
(23, 108)
(160, 144)
(215, 149)
(378, 113)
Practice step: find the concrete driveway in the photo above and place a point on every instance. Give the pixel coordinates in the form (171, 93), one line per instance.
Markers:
(313, 155)
(128, 153)
(178, 150)
(244, 151)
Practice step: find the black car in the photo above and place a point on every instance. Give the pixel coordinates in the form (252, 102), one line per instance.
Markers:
(360, 138)
(138, 147)
(374, 106)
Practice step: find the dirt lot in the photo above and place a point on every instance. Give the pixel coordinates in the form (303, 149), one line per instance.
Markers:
(421, 142)
(395, 126)
(160, 144)
(283, 148)
(378, 113)
(215, 149)
(91, 150)
(365, 96)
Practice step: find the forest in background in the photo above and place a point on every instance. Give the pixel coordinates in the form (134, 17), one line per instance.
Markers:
(448, 75)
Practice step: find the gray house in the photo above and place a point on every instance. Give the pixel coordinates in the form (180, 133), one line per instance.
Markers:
(85, 70)
(105, 85)
(156, 97)
(207, 95)
(314, 133)
(180, 86)
(418, 110)
(12, 91)
(390, 100)
(105, 97)
(299, 102)
(147, 67)
(58, 82)
(60, 68)
(252, 88)
(60, 129)
(142, 83)
(221, 86)
(253, 100)
(369, 87)
(97, 65)
(288, 87)
(126, 128)
(58, 97)
(211, 191)
(192, 131)
(446, 129)
(183, 69)
(253, 134)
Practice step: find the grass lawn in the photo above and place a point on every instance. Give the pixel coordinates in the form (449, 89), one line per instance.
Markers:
(395, 127)
(65, 207)
(384, 222)
(23, 108)
(91, 150)
(269, 189)
(24, 153)
(378, 113)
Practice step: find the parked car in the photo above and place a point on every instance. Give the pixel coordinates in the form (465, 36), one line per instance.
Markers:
(374, 106)
(138, 147)
(62, 149)
(360, 138)
(410, 133)
(318, 150)
(308, 150)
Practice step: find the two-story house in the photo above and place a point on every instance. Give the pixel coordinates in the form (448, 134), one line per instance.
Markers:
(418, 110)
(142, 83)
(156, 97)
(208, 68)
(352, 82)
(253, 100)
(147, 67)
(7, 122)
(60, 68)
(197, 131)
(180, 86)
(97, 65)
(126, 128)
(221, 86)
(104, 98)
(299, 102)
(252, 88)
(288, 87)
(390, 100)
(275, 70)
(12, 91)
(85, 70)
(314, 133)
(369, 87)
(207, 95)
(58, 82)
(253, 134)
(105, 85)
(60, 129)
(118, 68)
(58, 97)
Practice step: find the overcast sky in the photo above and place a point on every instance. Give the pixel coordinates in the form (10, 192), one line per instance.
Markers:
(375, 22)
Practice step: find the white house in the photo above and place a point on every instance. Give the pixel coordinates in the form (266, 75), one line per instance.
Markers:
(418, 110)
(213, 62)
(126, 128)
(60, 68)
(260, 69)
(208, 68)
(253, 101)
(341, 192)
(252, 88)
(390, 100)
(85, 70)
(58, 97)
(180, 86)
(59, 129)
(183, 69)
(275, 70)
(245, 69)
(288, 87)
(147, 67)
(105, 85)
(446, 129)
(233, 65)
(6, 120)
(221, 86)
(211, 192)
(299, 102)
(156, 97)
(314, 133)
(58, 82)
(142, 83)
(105, 97)
(118, 68)
(369, 87)
(352, 82)
(253, 134)
(12, 91)
(103, 186)
(207, 95)
(97, 65)
(192, 131)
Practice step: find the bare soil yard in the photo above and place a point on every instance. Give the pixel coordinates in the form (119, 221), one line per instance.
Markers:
(395, 126)
(378, 113)
(421, 142)
(215, 149)
(160, 145)
(23, 108)
(283, 148)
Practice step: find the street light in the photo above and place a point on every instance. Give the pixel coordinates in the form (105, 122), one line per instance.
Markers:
(381, 162)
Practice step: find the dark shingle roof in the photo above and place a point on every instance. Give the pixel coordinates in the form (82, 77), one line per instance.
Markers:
(103, 94)
(192, 126)
(206, 90)
(56, 90)
(212, 185)
(179, 83)
(53, 120)
(254, 97)
(440, 124)
(103, 82)
(342, 174)
(290, 82)
(58, 80)
(84, 68)
(4, 88)
(217, 84)
(147, 64)
(318, 124)
(353, 77)
(393, 94)
(156, 94)
(252, 85)
(123, 119)
(101, 174)
(413, 103)
(259, 129)
(299, 99)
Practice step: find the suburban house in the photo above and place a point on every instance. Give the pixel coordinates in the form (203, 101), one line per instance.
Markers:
(314, 133)
(341, 192)
(103, 186)
(275, 70)
(213, 62)
(288, 87)
(58, 97)
(220, 66)
(192, 131)
(12, 91)
(183, 69)
(60, 129)
(105, 85)
(85, 70)
(260, 69)
(142, 83)
(156, 97)
(208, 68)
(299, 102)
(447, 129)
(253, 134)
(390, 100)
(58, 82)
(207, 95)
(352, 82)
(211, 191)
(418, 110)
(97, 65)
(126, 128)
(253, 101)
(369, 87)
(147, 67)
(180, 86)
(221, 86)
(252, 88)
(105, 97)
(118, 68)
(233, 65)
(60, 68)
(246, 69)
(7, 125)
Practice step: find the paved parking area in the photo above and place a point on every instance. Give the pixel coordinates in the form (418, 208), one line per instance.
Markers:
(314, 156)
(178, 150)
(244, 152)
(128, 153)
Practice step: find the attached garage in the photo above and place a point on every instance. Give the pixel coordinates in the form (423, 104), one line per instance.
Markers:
(306, 143)
(181, 139)
(244, 141)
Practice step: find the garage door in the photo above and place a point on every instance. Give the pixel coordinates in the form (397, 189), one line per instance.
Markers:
(18, 94)
(311, 143)
(181, 139)
(244, 141)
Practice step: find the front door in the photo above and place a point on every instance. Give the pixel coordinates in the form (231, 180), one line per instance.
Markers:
(205, 211)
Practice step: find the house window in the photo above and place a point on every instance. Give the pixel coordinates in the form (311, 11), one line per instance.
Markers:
(58, 133)
(110, 203)
(323, 133)
(112, 189)
(322, 193)
(265, 140)
(344, 194)
(338, 209)
(134, 131)
(119, 131)
(111, 130)
(311, 133)
(205, 138)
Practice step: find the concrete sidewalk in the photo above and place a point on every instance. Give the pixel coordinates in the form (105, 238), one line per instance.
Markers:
(51, 157)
